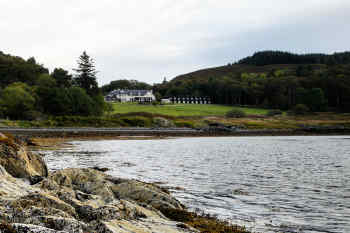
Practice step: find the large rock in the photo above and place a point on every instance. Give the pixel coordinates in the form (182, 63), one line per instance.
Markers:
(92, 182)
(28, 228)
(163, 122)
(3, 137)
(12, 188)
(77, 200)
(20, 163)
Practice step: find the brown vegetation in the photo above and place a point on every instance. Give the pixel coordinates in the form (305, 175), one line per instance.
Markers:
(6, 228)
(202, 222)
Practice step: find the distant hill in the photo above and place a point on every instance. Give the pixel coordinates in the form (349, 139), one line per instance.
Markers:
(264, 62)
(236, 70)
(272, 79)
(279, 57)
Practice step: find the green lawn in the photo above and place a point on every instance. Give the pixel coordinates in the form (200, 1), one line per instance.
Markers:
(183, 109)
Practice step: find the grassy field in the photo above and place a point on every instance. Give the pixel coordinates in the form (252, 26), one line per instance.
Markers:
(188, 115)
(177, 110)
(148, 120)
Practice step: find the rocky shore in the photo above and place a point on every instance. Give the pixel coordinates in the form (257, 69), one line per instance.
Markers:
(83, 200)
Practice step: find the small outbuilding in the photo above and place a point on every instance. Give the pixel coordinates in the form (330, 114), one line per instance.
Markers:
(165, 101)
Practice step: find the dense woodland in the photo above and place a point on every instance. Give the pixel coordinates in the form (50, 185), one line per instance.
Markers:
(28, 91)
(272, 79)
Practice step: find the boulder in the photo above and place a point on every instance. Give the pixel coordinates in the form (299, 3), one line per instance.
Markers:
(149, 194)
(19, 162)
(162, 122)
(3, 137)
(28, 228)
(12, 188)
(93, 182)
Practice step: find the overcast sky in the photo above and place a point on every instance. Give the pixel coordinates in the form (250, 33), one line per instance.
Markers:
(153, 39)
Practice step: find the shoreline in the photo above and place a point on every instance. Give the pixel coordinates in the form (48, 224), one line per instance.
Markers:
(160, 133)
(54, 138)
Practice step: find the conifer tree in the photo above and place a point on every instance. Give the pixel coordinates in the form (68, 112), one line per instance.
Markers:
(86, 75)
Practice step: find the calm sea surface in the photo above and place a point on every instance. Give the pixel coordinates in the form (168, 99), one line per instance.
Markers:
(269, 184)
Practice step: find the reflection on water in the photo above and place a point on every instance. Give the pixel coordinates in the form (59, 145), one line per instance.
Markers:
(270, 184)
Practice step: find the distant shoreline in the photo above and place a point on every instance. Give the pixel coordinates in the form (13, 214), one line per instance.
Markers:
(147, 133)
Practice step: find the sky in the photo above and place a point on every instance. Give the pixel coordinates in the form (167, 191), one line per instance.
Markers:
(153, 39)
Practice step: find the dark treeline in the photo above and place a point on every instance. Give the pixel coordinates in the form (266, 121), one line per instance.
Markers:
(278, 57)
(16, 69)
(279, 83)
(28, 91)
(125, 84)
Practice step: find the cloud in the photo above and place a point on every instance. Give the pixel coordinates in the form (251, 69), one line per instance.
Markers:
(147, 40)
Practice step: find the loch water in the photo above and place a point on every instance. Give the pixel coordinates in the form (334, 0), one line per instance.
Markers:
(268, 184)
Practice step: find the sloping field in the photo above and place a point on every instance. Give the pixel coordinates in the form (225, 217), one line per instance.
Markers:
(183, 109)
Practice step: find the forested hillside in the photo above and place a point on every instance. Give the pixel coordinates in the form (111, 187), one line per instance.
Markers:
(278, 57)
(272, 79)
(28, 91)
(16, 69)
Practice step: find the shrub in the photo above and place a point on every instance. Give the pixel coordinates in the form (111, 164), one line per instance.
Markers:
(274, 112)
(98, 105)
(95, 121)
(316, 100)
(235, 113)
(33, 115)
(185, 124)
(108, 108)
(137, 121)
(16, 99)
(143, 114)
(82, 121)
(2, 111)
(299, 109)
(80, 102)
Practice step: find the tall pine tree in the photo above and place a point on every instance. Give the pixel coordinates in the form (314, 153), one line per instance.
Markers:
(86, 75)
